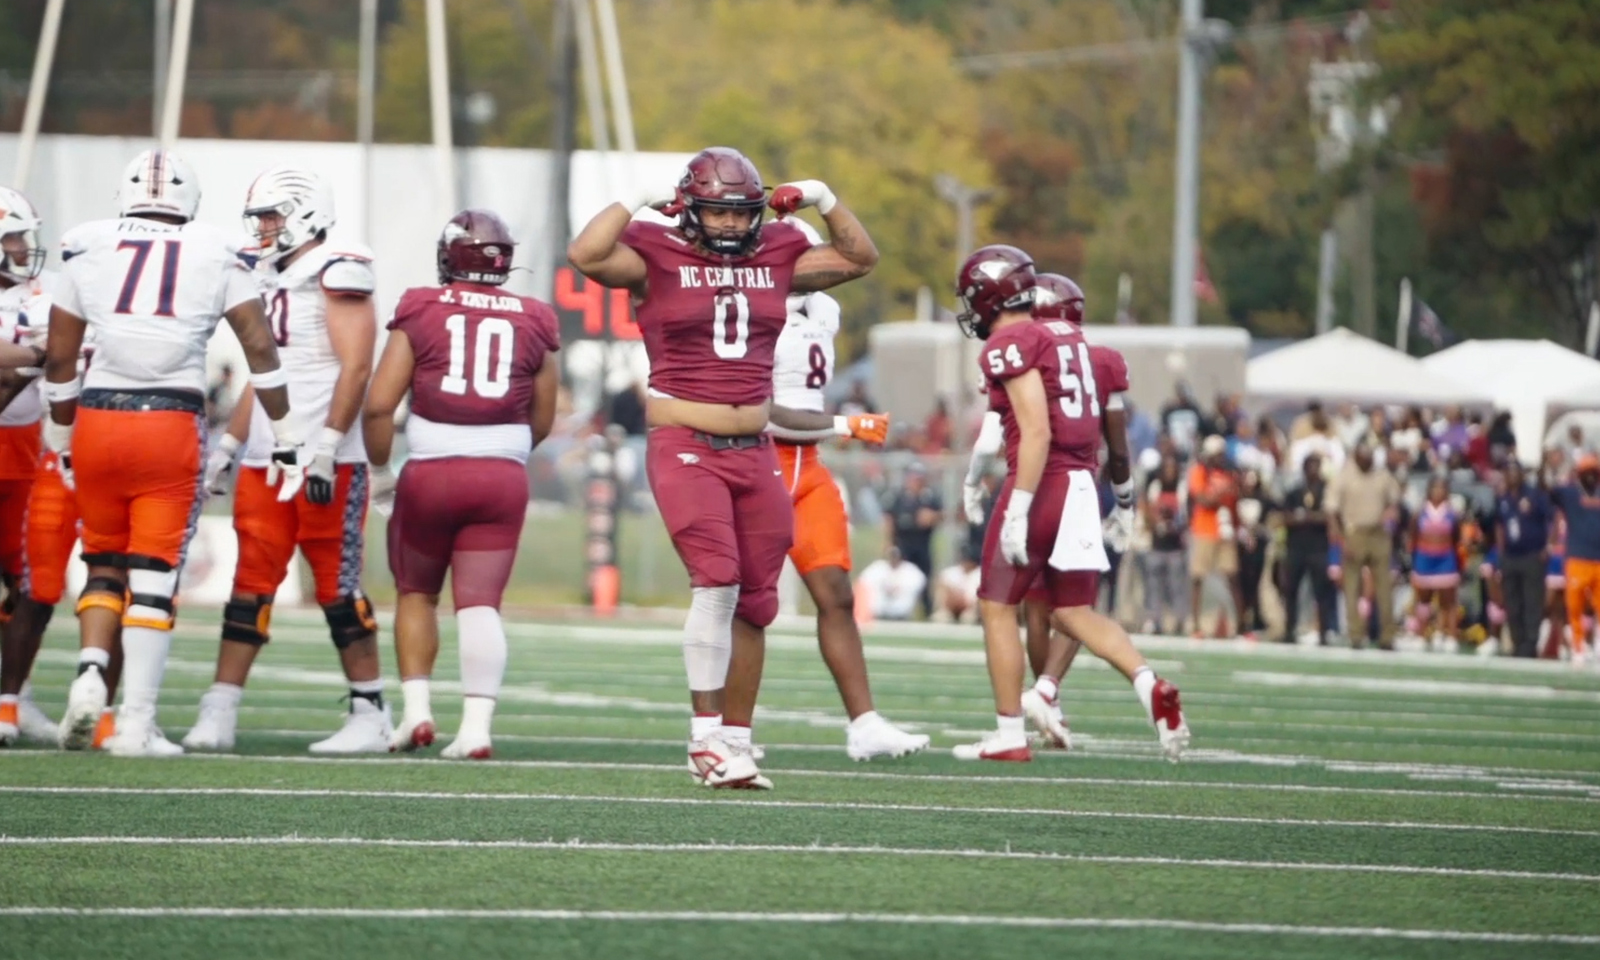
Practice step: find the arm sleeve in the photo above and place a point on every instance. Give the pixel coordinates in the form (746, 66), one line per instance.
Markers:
(990, 436)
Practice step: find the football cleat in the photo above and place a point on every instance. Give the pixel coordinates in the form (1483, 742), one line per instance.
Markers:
(996, 746)
(35, 724)
(468, 747)
(140, 737)
(718, 764)
(214, 728)
(882, 739)
(85, 699)
(105, 729)
(1045, 715)
(367, 729)
(1167, 714)
(414, 733)
(10, 725)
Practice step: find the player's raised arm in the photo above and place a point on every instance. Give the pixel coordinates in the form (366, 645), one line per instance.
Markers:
(598, 252)
(849, 253)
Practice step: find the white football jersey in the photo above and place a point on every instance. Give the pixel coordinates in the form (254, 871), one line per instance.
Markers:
(803, 363)
(297, 309)
(152, 294)
(25, 305)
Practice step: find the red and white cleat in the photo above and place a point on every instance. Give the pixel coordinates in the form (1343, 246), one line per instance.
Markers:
(996, 746)
(715, 763)
(1045, 715)
(1166, 712)
(465, 747)
(414, 733)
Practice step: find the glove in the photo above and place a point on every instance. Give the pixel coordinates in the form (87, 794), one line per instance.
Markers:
(285, 469)
(1014, 529)
(322, 472)
(666, 199)
(64, 466)
(972, 501)
(1118, 530)
(868, 427)
(789, 197)
(219, 466)
(383, 483)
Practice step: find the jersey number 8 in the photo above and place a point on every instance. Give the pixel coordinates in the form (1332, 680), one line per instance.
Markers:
(491, 379)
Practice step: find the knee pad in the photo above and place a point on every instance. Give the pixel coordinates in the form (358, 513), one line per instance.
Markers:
(152, 584)
(758, 608)
(248, 621)
(708, 636)
(106, 593)
(350, 619)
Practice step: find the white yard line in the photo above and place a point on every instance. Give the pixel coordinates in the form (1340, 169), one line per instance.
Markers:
(589, 846)
(1413, 686)
(898, 919)
(729, 799)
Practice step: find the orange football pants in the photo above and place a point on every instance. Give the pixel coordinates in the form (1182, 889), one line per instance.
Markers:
(139, 481)
(821, 526)
(51, 530)
(19, 461)
(1583, 589)
(329, 535)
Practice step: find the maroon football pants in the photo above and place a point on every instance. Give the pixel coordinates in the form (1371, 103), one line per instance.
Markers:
(1002, 582)
(461, 514)
(728, 513)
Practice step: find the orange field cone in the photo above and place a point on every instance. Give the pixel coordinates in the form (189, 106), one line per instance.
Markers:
(605, 586)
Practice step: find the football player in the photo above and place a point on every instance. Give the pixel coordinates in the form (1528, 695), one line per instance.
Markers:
(1047, 515)
(479, 365)
(153, 284)
(803, 365)
(319, 304)
(711, 294)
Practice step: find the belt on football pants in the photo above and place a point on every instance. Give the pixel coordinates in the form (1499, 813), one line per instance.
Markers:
(745, 442)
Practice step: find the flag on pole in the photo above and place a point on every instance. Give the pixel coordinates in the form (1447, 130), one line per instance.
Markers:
(1204, 289)
(1430, 327)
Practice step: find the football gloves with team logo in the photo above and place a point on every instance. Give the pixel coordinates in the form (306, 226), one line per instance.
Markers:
(285, 471)
(866, 427)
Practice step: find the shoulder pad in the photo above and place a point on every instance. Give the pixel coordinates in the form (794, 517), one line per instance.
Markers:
(350, 251)
(349, 275)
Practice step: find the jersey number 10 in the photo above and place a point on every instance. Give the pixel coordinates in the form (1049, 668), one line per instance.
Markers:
(491, 379)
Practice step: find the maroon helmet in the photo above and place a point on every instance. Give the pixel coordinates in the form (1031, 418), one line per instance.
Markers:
(475, 246)
(1057, 298)
(994, 279)
(725, 179)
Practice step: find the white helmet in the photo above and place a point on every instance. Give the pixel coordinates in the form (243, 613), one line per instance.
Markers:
(159, 181)
(17, 216)
(298, 196)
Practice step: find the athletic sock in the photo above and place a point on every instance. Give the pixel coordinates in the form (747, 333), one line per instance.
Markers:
(1011, 727)
(144, 652)
(95, 656)
(228, 693)
(1047, 687)
(735, 735)
(1144, 683)
(418, 698)
(703, 725)
(369, 690)
(477, 713)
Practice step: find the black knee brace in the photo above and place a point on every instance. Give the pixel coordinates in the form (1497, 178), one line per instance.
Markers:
(108, 593)
(350, 619)
(248, 621)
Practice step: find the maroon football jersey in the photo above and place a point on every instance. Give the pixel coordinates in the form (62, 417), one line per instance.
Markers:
(710, 324)
(1078, 380)
(477, 348)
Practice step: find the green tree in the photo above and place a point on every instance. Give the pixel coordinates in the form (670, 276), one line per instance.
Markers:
(812, 89)
(1501, 131)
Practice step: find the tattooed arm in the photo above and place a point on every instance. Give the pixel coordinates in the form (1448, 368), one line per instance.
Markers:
(848, 255)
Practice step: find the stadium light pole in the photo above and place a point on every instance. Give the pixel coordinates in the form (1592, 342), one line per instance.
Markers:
(965, 199)
(177, 72)
(594, 92)
(439, 105)
(617, 81)
(365, 110)
(1187, 199)
(158, 66)
(38, 89)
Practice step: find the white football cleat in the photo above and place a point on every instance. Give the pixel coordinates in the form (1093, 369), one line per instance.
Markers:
(139, 737)
(1167, 714)
(1047, 719)
(367, 729)
(468, 747)
(414, 733)
(881, 738)
(35, 723)
(85, 699)
(996, 746)
(718, 764)
(9, 732)
(214, 728)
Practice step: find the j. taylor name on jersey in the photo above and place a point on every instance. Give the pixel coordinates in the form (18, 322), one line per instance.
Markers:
(480, 301)
(696, 275)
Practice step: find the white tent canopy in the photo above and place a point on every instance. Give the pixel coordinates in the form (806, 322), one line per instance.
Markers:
(1526, 377)
(1344, 367)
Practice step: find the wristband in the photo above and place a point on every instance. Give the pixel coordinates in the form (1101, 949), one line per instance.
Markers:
(1021, 502)
(1124, 493)
(283, 432)
(841, 425)
(62, 392)
(827, 201)
(269, 379)
(328, 441)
